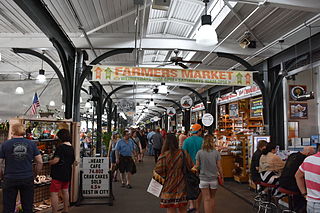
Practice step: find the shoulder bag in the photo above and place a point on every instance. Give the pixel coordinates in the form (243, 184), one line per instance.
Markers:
(192, 181)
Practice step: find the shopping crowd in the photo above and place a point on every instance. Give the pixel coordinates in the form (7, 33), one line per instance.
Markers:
(298, 175)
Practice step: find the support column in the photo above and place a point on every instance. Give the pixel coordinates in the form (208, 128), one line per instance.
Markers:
(186, 118)
(109, 107)
(166, 122)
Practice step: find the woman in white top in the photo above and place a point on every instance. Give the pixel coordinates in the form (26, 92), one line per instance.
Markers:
(208, 163)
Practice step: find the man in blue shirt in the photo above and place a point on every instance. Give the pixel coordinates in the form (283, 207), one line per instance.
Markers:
(192, 145)
(124, 151)
(18, 154)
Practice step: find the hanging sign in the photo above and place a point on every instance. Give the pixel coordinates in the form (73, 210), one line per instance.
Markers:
(207, 119)
(144, 74)
(171, 111)
(95, 178)
(186, 102)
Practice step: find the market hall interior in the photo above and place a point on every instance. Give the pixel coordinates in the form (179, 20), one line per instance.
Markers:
(76, 75)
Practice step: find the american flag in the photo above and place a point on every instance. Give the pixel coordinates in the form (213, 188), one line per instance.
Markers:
(35, 104)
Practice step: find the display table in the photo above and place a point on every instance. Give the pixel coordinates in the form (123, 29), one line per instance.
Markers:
(227, 163)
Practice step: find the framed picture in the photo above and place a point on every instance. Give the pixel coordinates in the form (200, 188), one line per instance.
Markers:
(296, 90)
(298, 110)
(293, 129)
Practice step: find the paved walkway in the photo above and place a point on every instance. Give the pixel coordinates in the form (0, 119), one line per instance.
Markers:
(138, 200)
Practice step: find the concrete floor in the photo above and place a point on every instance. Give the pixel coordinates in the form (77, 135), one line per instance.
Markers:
(138, 200)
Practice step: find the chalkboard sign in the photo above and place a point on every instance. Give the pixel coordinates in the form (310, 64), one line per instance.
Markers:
(256, 107)
(233, 110)
(95, 178)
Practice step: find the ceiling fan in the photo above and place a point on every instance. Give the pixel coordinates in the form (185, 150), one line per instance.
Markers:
(176, 60)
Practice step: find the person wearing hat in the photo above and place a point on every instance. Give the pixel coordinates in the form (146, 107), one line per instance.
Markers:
(192, 145)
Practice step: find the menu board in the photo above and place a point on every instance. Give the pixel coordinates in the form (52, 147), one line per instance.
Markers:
(233, 110)
(256, 107)
(95, 178)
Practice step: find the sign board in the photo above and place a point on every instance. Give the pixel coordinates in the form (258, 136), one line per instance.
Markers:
(256, 107)
(171, 111)
(186, 102)
(145, 74)
(95, 178)
(207, 119)
(197, 107)
(246, 92)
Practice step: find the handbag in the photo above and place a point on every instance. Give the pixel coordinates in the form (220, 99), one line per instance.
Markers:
(192, 181)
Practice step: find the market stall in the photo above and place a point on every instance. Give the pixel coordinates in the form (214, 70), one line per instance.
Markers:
(42, 131)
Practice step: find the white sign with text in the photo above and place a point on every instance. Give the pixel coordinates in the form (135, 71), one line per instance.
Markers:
(95, 178)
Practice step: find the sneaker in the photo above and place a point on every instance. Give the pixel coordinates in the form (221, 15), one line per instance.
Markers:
(123, 185)
(129, 186)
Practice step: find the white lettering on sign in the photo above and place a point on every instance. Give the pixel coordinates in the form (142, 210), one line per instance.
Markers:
(95, 178)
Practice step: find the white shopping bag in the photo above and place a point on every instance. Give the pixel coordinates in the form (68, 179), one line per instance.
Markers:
(155, 188)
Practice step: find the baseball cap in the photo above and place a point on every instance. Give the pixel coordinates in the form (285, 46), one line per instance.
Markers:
(195, 128)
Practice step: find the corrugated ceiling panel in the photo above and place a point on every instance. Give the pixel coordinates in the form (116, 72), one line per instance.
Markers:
(16, 15)
(186, 11)
(155, 28)
(157, 14)
(178, 29)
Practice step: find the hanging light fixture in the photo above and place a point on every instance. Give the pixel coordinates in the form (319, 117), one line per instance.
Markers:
(206, 34)
(41, 78)
(52, 103)
(88, 105)
(19, 91)
(151, 103)
(163, 89)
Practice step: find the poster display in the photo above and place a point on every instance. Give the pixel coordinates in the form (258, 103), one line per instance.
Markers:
(95, 178)
(222, 110)
(298, 110)
(186, 102)
(147, 74)
(233, 110)
(256, 107)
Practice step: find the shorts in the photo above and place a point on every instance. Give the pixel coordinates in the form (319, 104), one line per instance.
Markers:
(126, 164)
(208, 184)
(57, 185)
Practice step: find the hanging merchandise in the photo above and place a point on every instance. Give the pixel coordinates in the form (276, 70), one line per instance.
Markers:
(186, 102)
(207, 119)
(171, 111)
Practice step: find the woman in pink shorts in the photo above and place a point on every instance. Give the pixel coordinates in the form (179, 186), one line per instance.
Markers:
(61, 169)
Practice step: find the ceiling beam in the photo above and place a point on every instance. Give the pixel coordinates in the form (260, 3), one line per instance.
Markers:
(302, 5)
(229, 46)
(174, 20)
